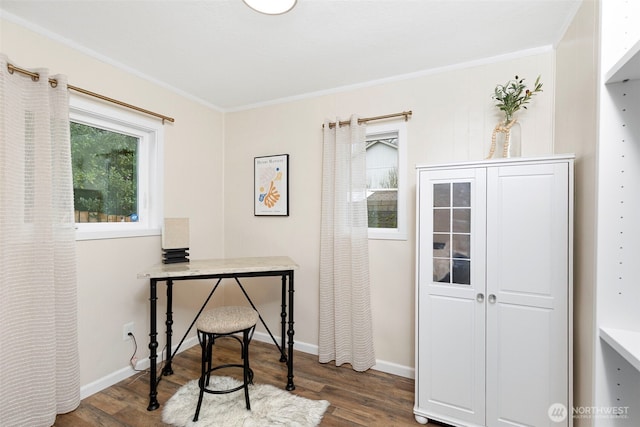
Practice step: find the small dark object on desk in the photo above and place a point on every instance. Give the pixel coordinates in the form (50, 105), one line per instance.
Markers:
(171, 256)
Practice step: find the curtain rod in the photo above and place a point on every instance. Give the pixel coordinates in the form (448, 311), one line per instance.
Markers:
(54, 83)
(405, 114)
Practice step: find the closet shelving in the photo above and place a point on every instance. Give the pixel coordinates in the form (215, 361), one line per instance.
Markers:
(617, 364)
(625, 342)
(627, 67)
(622, 81)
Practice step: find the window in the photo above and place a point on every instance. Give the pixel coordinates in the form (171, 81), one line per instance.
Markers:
(117, 171)
(386, 180)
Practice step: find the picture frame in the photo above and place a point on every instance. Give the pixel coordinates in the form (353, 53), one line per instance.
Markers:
(271, 185)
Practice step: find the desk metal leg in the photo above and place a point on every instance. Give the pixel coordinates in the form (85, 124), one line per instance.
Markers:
(167, 370)
(283, 319)
(290, 332)
(153, 345)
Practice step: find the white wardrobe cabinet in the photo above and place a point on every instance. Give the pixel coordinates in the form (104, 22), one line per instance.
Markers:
(494, 292)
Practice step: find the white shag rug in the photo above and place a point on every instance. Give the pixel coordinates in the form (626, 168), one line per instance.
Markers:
(270, 406)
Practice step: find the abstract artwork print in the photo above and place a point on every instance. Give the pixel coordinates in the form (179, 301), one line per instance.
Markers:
(271, 185)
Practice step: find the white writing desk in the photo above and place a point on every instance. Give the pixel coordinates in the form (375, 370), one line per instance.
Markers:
(224, 268)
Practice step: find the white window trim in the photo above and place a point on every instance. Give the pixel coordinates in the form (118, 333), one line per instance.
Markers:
(150, 172)
(399, 233)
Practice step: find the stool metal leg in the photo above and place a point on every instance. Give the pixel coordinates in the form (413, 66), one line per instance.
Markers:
(204, 344)
(245, 357)
(209, 357)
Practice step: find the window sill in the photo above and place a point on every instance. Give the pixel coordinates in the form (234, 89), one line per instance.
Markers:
(386, 234)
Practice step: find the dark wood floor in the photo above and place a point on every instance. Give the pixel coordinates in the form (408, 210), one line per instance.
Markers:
(372, 398)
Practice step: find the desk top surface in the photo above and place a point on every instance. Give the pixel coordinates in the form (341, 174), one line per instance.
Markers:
(219, 266)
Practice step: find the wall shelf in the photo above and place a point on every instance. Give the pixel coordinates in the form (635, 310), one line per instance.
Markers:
(625, 342)
(617, 336)
(627, 68)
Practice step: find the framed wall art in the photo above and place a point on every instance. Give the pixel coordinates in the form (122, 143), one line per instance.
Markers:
(271, 185)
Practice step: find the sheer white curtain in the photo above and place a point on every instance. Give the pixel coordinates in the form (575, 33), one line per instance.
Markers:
(39, 364)
(346, 333)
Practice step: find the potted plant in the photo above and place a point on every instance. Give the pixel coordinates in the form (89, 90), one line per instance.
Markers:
(509, 98)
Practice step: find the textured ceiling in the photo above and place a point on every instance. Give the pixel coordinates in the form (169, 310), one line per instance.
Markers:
(231, 57)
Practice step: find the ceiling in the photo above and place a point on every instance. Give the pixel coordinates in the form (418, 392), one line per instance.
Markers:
(230, 57)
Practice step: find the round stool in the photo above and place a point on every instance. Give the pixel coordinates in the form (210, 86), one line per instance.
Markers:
(225, 322)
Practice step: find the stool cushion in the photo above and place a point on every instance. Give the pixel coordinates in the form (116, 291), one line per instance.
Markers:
(227, 319)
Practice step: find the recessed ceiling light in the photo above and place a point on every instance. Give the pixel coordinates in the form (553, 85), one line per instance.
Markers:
(271, 7)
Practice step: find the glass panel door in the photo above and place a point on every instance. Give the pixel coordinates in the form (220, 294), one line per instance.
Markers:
(451, 287)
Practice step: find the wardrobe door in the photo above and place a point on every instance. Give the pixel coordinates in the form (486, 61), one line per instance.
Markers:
(451, 295)
(527, 293)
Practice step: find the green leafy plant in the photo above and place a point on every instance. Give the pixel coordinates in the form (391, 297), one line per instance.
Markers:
(513, 95)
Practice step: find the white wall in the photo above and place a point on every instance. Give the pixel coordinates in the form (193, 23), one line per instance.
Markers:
(453, 116)
(576, 131)
(109, 294)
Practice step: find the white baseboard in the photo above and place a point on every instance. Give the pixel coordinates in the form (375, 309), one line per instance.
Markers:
(124, 373)
(381, 365)
(395, 369)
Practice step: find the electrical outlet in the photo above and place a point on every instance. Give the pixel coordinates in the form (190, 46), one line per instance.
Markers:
(128, 327)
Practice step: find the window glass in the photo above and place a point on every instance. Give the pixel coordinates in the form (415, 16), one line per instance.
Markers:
(461, 194)
(462, 220)
(441, 220)
(441, 195)
(386, 180)
(105, 175)
(382, 180)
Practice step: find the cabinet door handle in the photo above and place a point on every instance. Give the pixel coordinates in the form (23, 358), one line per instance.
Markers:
(492, 298)
(480, 297)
